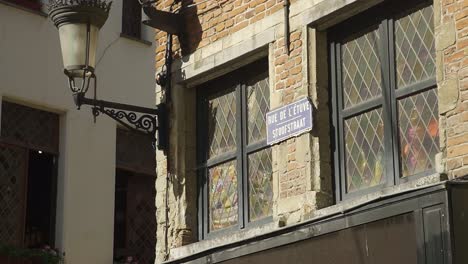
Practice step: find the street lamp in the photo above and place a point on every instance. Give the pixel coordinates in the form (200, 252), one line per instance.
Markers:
(79, 23)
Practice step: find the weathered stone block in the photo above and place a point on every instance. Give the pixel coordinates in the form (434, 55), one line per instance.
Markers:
(448, 95)
(446, 35)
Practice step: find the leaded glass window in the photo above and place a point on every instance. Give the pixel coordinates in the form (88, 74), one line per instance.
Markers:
(234, 160)
(385, 97)
(29, 127)
(28, 169)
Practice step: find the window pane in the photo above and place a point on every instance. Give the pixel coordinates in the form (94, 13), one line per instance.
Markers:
(33, 128)
(364, 136)
(13, 168)
(415, 48)
(134, 152)
(131, 18)
(223, 200)
(260, 184)
(419, 132)
(222, 123)
(361, 69)
(258, 104)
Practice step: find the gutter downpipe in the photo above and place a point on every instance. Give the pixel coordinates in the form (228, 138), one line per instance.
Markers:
(286, 5)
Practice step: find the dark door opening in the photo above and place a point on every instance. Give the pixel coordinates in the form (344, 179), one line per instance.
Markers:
(41, 198)
(135, 217)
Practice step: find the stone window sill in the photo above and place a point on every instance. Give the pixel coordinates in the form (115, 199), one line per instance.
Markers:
(145, 42)
(231, 238)
(222, 240)
(25, 6)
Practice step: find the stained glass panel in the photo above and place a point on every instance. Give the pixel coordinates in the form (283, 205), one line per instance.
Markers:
(222, 124)
(361, 69)
(419, 132)
(365, 160)
(260, 184)
(415, 47)
(258, 104)
(223, 199)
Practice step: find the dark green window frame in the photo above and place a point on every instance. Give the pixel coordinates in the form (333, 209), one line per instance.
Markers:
(382, 19)
(238, 83)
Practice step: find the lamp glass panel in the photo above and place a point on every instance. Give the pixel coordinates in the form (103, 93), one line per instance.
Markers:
(73, 42)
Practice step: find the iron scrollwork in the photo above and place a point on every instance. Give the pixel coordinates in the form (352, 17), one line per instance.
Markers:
(144, 123)
(149, 121)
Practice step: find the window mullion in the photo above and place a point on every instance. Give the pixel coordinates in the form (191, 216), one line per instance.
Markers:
(240, 134)
(335, 124)
(340, 119)
(203, 203)
(393, 100)
(387, 102)
(245, 172)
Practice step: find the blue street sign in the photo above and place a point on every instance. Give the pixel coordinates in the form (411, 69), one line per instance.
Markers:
(289, 121)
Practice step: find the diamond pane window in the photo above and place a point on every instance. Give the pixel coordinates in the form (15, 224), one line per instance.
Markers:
(260, 184)
(364, 136)
(13, 169)
(30, 127)
(419, 132)
(223, 198)
(140, 215)
(415, 47)
(258, 104)
(235, 163)
(384, 90)
(361, 69)
(222, 123)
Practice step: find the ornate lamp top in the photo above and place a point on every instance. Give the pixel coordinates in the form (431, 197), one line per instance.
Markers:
(75, 11)
(90, 3)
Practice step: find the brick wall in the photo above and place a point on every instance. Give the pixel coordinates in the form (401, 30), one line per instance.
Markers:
(452, 43)
(213, 20)
(207, 25)
(289, 83)
(218, 37)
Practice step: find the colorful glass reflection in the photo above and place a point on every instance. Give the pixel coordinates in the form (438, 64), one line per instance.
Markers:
(223, 199)
(419, 132)
(365, 153)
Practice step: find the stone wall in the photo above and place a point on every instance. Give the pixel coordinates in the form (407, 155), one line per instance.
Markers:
(452, 55)
(224, 35)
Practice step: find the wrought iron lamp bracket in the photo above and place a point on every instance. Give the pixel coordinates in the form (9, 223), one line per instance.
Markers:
(147, 121)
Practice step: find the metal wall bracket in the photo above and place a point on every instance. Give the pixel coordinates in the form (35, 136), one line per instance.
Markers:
(162, 20)
(148, 121)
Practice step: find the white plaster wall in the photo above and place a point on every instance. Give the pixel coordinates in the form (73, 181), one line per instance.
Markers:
(31, 73)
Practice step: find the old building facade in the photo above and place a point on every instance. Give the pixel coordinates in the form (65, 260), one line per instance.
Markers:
(387, 82)
(59, 169)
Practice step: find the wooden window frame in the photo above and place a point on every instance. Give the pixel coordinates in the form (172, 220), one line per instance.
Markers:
(238, 80)
(382, 16)
(128, 6)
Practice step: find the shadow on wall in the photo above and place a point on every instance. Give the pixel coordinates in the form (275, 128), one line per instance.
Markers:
(192, 30)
